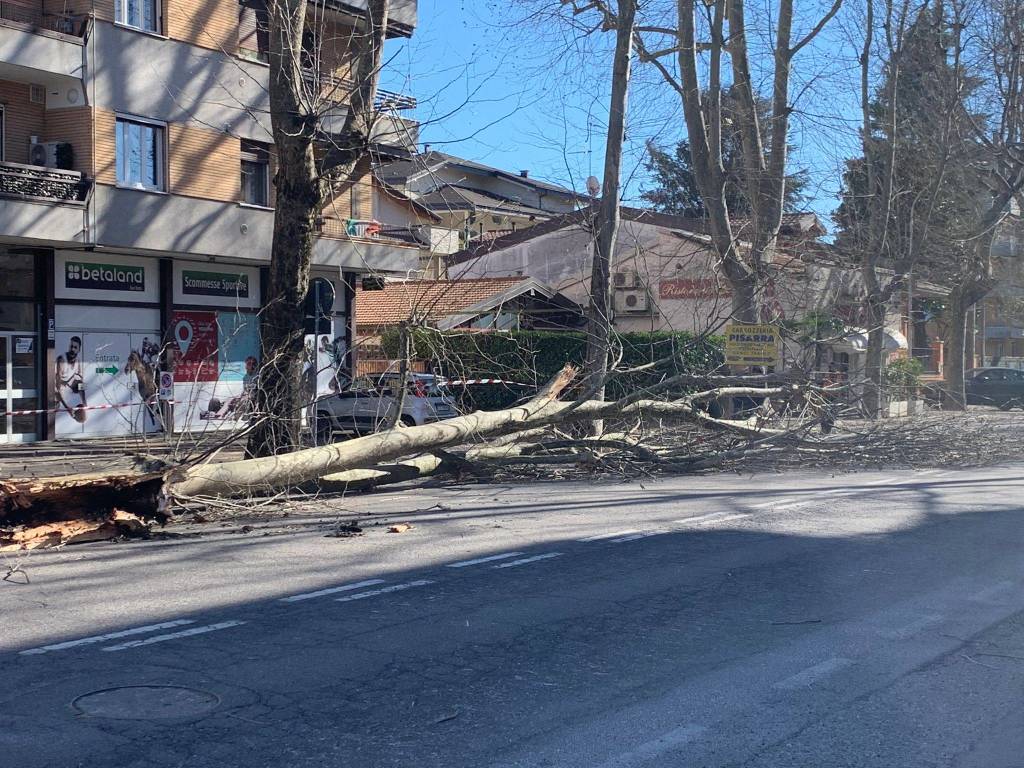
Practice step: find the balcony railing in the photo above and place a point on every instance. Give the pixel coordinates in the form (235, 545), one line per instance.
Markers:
(338, 90)
(32, 182)
(363, 229)
(31, 15)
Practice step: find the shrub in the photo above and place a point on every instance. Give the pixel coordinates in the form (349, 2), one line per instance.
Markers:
(532, 358)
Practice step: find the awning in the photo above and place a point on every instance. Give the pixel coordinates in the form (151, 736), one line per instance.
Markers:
(857, 338)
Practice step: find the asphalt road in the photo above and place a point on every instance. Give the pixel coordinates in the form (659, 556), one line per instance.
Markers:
(874, 619)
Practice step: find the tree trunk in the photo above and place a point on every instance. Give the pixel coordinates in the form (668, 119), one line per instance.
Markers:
(953, 395)
(298, 197)
(300, 189)
(874, 367)
(607, 221)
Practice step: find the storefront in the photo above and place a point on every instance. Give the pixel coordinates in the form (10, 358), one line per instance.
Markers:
(212, 344)
(106, 344)
(86, 335)
(21, 381)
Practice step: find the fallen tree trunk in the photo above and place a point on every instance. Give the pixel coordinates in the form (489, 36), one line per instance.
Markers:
(52, 499)
(254, 475)
(51, 511)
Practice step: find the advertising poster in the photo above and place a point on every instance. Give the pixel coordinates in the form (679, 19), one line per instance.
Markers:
(117, 370)
(195, 338)
(747, 344)
(325, 364)
(215, 371)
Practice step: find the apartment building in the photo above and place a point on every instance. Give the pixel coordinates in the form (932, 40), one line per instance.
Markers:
(136, 208)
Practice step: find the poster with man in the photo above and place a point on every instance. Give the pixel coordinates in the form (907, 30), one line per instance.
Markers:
(69, 385)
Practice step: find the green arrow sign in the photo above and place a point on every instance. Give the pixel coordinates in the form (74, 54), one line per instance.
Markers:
(111, 370)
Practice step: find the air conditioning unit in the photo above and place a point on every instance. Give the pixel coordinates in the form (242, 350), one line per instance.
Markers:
(51, 154)
(632, 302)
(625, 279)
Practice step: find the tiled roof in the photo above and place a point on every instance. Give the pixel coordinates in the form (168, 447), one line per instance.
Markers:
(452, 197)
(398, 172)
(428, 300)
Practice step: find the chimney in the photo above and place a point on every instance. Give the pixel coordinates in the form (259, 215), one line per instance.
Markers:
(524, 174)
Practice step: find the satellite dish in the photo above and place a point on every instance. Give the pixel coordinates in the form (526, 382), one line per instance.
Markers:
(593, 186)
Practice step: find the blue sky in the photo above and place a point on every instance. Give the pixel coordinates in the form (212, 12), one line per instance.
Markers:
(532, 96)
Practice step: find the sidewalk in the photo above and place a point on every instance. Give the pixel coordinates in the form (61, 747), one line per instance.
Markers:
(66, 457)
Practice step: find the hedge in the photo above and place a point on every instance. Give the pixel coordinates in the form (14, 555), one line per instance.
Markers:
(532, 358)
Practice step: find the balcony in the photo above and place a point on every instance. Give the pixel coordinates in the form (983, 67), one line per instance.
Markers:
(368, 230)
(38, 47)
(30, 15)
(401, 17)
(46, 205)
(48, 185)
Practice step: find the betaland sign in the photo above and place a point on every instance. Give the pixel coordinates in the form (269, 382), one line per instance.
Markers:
(232, 284)
(104, 277)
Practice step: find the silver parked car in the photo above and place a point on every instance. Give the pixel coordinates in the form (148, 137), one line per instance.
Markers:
(366, 405)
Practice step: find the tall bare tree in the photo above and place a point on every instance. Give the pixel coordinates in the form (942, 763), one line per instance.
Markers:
(997, 26)
(699, 85)
(311, 164)
(621, 18)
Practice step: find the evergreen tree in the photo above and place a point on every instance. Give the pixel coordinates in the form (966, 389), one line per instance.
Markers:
(922, 138)
(674, 187)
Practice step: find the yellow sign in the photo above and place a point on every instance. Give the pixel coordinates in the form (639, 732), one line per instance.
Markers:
(751, 344)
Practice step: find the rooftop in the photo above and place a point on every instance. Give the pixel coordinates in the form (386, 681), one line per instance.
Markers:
(431, 300)
(428, 162)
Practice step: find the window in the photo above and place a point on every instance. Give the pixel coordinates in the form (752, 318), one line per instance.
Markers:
(3, 129)
(253, 30)
(140, 154)
(141, 14)
(255, 173)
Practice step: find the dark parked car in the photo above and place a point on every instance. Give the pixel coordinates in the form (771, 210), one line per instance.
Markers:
(1002, 387)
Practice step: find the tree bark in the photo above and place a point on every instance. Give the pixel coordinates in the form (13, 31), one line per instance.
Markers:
(599, 316)
(953, 395)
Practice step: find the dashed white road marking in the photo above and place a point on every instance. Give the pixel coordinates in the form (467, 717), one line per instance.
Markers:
(832, 491)
(109, 636)
(479, 560)
(612, 535)
(726, 518)
(384, 590)
(526, 560)
(909, 630)
(635, 536)
(811, 675)
(331, 590)
(174, 635)
(659, 746)
(773, 503)
(886, 481)
(708, 518)
(989, 594)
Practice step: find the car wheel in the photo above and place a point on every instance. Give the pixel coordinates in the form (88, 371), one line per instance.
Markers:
(408, 421)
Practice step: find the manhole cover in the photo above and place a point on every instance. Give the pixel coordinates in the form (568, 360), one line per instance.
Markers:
(146, 702)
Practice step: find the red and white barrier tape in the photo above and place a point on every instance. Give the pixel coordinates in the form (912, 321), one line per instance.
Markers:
(465, 382)
(78, 408)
